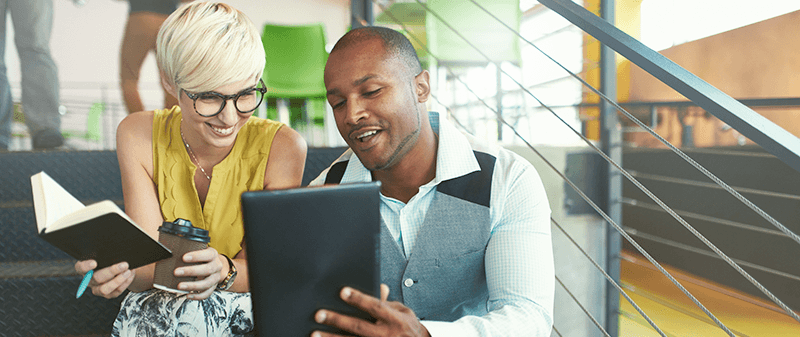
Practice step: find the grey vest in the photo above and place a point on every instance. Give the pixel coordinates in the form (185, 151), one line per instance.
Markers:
(444, 279)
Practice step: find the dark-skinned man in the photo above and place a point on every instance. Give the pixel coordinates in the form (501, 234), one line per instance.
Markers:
(465, 234)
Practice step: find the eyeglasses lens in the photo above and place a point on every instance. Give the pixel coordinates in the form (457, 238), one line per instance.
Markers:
(210, 104)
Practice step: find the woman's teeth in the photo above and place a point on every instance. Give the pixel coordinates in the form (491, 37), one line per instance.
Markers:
(222, 131)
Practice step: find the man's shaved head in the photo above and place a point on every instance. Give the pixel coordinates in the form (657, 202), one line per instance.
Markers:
(395, 43)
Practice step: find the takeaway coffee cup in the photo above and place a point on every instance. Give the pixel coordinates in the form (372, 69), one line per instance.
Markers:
(180, 237)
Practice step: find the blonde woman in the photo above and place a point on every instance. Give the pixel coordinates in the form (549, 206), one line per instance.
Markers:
(192, 162)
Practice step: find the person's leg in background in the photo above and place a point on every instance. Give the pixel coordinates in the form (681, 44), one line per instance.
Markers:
(6, 104)
(139, 39)
(33, 23)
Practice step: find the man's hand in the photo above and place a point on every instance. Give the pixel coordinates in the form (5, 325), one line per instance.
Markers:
(393, 318)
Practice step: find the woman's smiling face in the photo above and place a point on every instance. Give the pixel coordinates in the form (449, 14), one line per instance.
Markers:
(218, 131)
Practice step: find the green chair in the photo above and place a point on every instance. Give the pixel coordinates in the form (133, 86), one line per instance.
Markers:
(481, 30)
(94, 125)
(427, 32)
(442, 35)
(294, 70)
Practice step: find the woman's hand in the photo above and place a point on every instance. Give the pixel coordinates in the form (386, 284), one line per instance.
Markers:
(208, 272)
(108, 282)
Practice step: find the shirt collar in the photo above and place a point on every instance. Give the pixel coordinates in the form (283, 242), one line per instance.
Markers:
(454, 158)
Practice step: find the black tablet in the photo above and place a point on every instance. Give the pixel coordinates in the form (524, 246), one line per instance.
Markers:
(303, 245)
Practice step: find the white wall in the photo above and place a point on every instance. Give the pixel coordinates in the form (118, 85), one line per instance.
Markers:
(573, 269)
(85, 42)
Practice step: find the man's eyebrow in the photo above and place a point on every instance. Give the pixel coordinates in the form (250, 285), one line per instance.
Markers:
(357, 82)
(363, 79)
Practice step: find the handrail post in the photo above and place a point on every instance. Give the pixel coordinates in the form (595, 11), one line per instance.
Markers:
(499, 103)
(611, 144)
(361, 13)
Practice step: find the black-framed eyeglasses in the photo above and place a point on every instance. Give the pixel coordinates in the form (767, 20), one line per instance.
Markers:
(210, 104)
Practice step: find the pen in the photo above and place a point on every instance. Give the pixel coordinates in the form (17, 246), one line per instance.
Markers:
(85, 283)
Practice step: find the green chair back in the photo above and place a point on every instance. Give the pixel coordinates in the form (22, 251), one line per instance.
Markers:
(294, 69)
(296, 59)
(483, 31)
(94, 127)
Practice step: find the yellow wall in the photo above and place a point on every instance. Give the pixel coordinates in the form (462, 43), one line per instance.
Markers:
(627, 19)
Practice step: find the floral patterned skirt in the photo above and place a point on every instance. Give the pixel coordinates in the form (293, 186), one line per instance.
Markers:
(161, 313)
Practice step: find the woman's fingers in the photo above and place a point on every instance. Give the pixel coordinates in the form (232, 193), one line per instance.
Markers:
(206, 271)
(110, 287)
(208, 284)
(204, 255)
(123, 285)
(82, 267)
(108, 273)
(201, 269)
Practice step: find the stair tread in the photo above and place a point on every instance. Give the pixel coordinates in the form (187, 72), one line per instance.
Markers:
(37, 269)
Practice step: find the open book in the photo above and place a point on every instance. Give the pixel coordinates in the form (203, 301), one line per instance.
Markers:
(100, 231)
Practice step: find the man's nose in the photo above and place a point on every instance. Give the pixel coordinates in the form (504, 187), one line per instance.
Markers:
(355, 112)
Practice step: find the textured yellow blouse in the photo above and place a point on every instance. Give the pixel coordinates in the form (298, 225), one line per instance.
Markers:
(242, 170)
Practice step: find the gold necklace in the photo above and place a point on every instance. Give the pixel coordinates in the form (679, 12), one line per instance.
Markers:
(196, 162)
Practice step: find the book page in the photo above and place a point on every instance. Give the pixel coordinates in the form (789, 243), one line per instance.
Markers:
(38, 201)
(86, 213)
(51, 201)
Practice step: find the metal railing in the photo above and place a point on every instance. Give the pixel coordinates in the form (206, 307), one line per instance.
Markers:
(771, 137)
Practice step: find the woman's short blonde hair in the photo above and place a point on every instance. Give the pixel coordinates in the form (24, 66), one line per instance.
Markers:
(205, 45)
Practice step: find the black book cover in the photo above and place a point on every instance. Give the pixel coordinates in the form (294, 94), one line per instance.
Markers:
(108, 239)
(100, 231)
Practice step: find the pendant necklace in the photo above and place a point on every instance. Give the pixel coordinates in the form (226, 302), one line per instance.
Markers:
(196, 162)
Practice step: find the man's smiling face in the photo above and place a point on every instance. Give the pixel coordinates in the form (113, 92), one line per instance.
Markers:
(374, 103)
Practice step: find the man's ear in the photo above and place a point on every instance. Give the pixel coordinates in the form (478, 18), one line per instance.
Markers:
(168, 87)
(422, 83)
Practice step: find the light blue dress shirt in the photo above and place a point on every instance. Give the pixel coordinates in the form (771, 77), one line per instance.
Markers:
(519, 256)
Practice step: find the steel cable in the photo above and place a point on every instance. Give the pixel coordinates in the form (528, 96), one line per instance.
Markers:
(668, 179)
(600, 268)
(586, 198)
(596, 323)
(597, 208)
(616, 165)
(609, 278)
(653, 207)
(688, 248)
(677, 151)
(688, 159)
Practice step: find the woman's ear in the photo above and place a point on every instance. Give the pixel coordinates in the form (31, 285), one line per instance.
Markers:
(422, 83)
(169, 87)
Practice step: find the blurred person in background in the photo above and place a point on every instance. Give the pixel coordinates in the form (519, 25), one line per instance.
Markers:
(33, 23)
(144, 19)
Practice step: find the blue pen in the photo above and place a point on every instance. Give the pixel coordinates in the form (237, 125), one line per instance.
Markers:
(85, 283)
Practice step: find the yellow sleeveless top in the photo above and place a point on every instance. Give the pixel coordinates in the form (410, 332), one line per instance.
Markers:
(242, 170)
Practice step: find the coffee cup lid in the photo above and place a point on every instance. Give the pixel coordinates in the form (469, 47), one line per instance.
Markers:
(184, 228)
